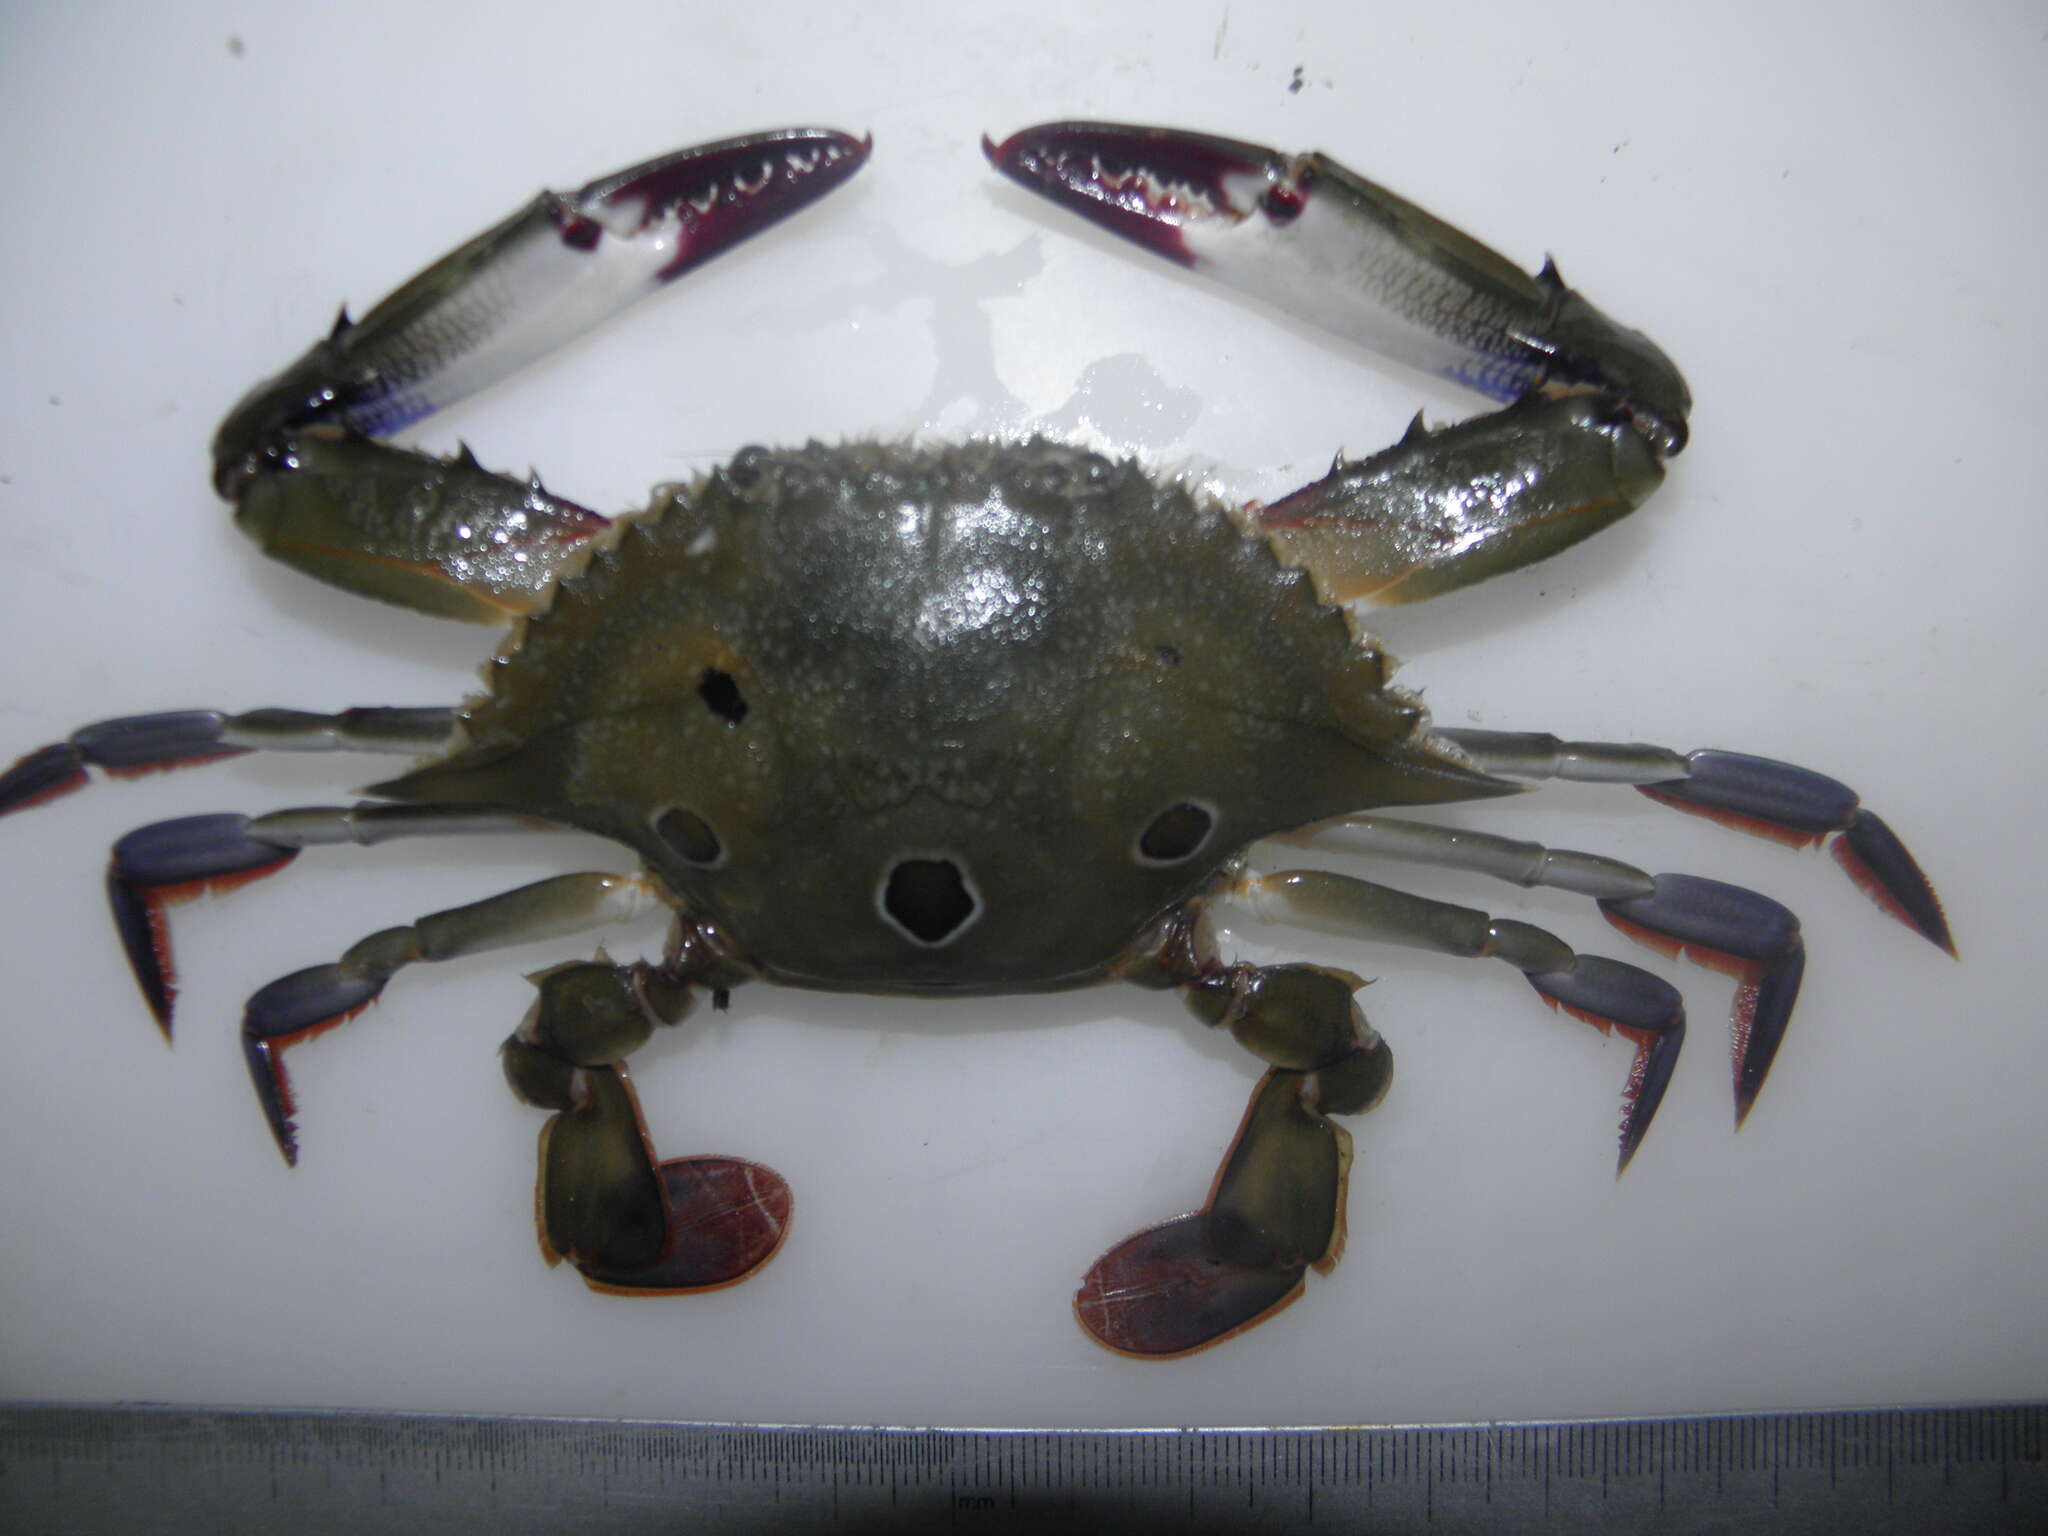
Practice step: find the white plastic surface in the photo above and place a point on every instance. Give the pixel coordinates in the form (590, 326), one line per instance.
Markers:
(1831, 217)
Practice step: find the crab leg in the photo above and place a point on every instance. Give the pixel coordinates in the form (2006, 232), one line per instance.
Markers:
(1596, 406)
(168, 862)
(1753, 794)
(1483, 853)
(309, 1002)
(135, 744)
(1608, 994)
(446, 536)
(1276, 1206)
(631, 1224)
(1723, 926)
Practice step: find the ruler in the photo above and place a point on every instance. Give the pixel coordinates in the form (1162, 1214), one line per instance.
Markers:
(149, 1470)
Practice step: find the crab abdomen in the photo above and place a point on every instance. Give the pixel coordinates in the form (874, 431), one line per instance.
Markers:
(962, 717)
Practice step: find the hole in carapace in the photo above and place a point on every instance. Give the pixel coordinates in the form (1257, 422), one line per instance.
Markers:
(928, 898)
(718, 690)
(690, 835)
(1175, 833)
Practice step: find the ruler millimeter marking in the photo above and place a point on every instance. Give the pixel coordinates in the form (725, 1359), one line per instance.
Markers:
(173, 1470)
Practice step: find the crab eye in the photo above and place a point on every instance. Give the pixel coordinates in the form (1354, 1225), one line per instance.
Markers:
(690, 835)
(931, 900)
(1176, 833)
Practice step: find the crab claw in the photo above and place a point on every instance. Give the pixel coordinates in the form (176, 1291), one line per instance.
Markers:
(1321, 242)
(553, 270)
(1798, 806)
(1167, 189)
(1751, 937)
(167, 862)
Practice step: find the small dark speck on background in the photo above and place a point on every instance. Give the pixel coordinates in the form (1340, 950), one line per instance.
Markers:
(1294, 85)
(56, 399)
(234, 45)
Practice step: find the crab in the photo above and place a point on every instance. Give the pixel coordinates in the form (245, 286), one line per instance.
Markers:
(993, 717)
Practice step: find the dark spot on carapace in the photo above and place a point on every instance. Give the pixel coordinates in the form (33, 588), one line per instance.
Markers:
(723, 695)
(929, 898)
(690, 835)
(1169, 655)
(1176, 832)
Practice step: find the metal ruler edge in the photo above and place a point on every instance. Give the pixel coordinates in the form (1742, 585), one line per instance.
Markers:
(158, 1467)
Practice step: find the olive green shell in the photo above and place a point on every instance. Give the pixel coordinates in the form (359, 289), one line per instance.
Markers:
(822, 667)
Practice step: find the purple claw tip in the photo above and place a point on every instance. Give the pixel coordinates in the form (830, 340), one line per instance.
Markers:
(139, 923)
(273, 1091)
(1763, 1009)
(719, 194)
(1649, 1076)
(41, 776)
(1872, 855)
(1146, 184)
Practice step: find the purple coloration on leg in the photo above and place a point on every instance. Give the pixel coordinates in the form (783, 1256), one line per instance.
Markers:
(1799, 806)
(1878, 862)
(1614, 992)
(42, 775)
(1750, 936)
(291, 1009)
(1649, 1076)
(286, 1008)
(153, 741)
(194, 848)
(1724, 918)
(139, 923)
(719, 193)
(1758, 1035)
(131, 744)
(172, 861)
(1143, 183)
(1644, 1007)
(1760, 789)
